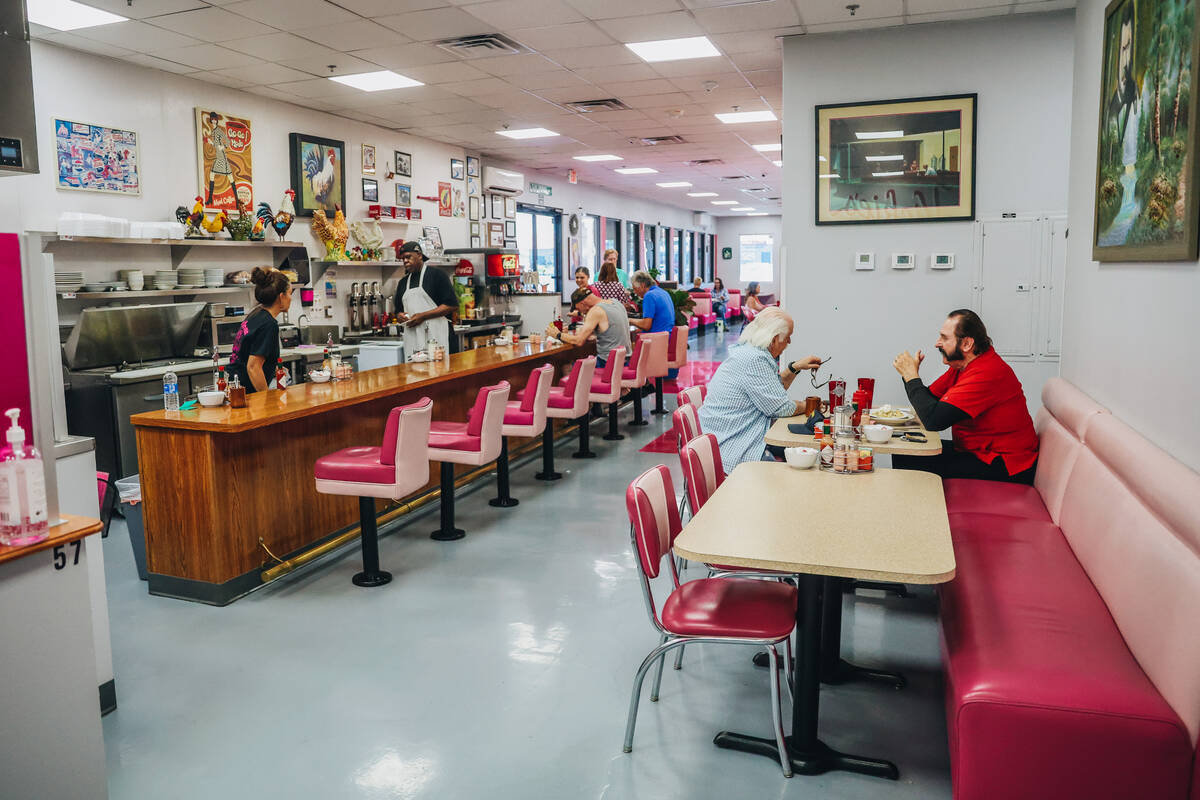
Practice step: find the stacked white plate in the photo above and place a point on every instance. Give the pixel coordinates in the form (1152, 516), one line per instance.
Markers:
(67, 281)
(190, 277)
(214, 277)
(166, 279)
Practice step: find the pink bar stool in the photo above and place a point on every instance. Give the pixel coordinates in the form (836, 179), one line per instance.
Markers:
(391, 471)
(606, 388)
(633, 376)
(475, 442)
(656, 365)
(524, 417)
(568, 400)
(677, 347)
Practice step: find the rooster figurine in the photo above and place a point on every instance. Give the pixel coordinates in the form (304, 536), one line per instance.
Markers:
(320, 174)
(216, 223)
(334, 234)
(192, 220)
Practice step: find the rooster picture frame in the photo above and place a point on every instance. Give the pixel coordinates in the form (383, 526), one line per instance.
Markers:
(318, 171)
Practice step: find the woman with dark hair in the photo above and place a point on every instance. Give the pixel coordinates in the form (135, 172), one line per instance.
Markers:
(582, 290)
(751, 302)
(256, 345)
(720, 297)
(608, 285)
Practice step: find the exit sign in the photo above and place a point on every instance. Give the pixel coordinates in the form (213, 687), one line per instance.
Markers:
(540, 188)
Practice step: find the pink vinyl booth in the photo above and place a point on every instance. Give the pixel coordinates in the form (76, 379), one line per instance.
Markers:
(703, 314)
(524, 417)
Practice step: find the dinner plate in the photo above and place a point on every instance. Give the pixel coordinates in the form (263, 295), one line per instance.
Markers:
(908, 417)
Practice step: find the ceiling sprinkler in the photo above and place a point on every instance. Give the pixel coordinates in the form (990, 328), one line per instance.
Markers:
(852, 8)
(708, 86)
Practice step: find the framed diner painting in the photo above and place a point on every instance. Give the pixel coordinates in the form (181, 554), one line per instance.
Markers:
(473, 207)
(318, 173)
(1146, 161)
(403, 195)
(907, 160)
(510, 230)
(510, 208)
(370, 190)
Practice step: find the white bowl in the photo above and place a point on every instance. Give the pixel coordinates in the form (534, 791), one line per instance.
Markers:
(800, 457)
(211, 399)
(877, 434)
(319, 375)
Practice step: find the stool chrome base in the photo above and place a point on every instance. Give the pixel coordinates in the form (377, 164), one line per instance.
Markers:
(368, 580)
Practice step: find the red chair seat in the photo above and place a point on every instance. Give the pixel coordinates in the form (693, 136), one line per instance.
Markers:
(994, 497)
(354, 465)
(453, 436)
(725, 607)
(599, 387)
(514, 415)
(560, 398)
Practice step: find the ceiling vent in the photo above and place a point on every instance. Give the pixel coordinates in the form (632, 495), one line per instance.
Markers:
(484, 45)
(775, 199)
(651, 141)
(757, 190)
(703, 162)
(588, 106)
(735, 178)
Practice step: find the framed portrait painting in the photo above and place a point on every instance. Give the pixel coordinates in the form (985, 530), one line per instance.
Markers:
(318, 173)
(403, 164)
(368, 159)
(1146, 160)
(896, 161)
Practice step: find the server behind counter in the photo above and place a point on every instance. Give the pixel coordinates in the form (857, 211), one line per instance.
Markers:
(256, 344)
(425, 300)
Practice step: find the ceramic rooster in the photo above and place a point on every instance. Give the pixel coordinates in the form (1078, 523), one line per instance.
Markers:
(216, 223)
(333, 233)
(283, 219)
(320, 174)
(192, 220)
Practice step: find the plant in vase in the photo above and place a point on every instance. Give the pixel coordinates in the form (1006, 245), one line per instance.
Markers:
(683, 302)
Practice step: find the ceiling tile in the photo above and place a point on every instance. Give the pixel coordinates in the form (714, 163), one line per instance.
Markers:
(273, 93)
(288, 15)
(668, 100)
(575, 34)
(569, 94)
(705, 83)
(275, 46)
(158, 63)
(449, 105)
(674, 25)
(561, 79)
(515, 65)
(856, 25)
(936, 6)
(636, 88)
(236, 81)
(210, 56)
(212, 25)
(958, 14)
(319, 88)
(748, 42)
(1038, 6)
(264, 73)
(145, 9)
(405, 56)
(359, 34)
(697, 66)
(320, 64)
(593, 56)
(507, 14)
(621, 73)
(824, 12)
(383, 8)
(450, 72)
(765, 77)
(764, 59)
(749, 17)
(477, 88)
(435, 24)
(137, 36)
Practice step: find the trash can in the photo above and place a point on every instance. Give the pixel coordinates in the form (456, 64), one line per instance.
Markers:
(129, 490)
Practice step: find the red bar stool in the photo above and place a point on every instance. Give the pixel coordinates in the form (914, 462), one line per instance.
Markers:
(633, 376)
(475, 442)
(568, 400)
(606, 388)
(693, 395)
(524, 417)
(656, 365)
(677, 347)
(391, 471)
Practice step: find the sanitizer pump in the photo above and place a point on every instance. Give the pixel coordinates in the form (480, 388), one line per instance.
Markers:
(23, 514)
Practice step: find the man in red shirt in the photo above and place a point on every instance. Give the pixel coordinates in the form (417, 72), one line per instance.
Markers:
(980, 398)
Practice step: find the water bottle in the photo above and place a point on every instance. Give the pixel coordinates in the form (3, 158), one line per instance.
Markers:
(171, 391)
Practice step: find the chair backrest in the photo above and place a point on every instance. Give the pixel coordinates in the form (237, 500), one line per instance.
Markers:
(703, 305)
(406, 435)
(692, 395)
(537, 392)
(613, 365)
(579, 383)
(735, 299)
(1061, 423)
(656, 354)
(686, 422)
(677, 346)
(637, 361)
(489, 410)
(650, 501)
(702, 469)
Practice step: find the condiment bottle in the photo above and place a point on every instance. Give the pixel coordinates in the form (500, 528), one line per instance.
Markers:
(222, 384)
(281, 374)
(237, 393)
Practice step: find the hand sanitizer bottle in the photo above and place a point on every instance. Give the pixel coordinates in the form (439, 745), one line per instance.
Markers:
(23, 514)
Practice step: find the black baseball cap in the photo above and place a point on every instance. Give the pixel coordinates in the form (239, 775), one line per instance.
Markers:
(411, 247)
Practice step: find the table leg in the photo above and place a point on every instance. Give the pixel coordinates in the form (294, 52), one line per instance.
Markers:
(808, 754)
(834, 669)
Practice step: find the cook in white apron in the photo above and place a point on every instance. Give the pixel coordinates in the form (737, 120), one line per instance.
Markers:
(419, 337)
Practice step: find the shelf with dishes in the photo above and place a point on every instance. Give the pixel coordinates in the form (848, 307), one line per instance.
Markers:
(127, 293)
(281, 251)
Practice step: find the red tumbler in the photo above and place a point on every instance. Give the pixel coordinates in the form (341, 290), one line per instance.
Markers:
(837, 394)
(868, 385)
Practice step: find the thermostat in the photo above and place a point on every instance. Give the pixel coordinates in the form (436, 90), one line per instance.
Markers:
(864, 261)
(941, 261)
(903, 261)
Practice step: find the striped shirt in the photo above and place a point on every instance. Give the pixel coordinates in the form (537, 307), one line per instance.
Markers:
(744, 395)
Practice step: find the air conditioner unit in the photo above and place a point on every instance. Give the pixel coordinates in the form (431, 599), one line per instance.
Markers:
(503, 181)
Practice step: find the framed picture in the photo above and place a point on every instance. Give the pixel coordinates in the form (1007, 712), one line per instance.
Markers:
(511, 244)
(472, 185)
(226, 174)
(403, 195)
(497, 206)
(403, 164)
(445, 200)
(472, 167)
(1146, 162)
(495, 234)
(475, 229)
(368, 159)
(473, 207)
(370, 190)
(510, 230)
(93, 158)
(475, 242)
(318, 173)
(457, 169)
(434, 236)
(510, 208)
(896, 161)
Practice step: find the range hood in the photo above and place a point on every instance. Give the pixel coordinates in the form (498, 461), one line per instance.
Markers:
(18, 126)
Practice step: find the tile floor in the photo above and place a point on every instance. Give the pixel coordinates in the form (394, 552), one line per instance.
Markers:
(497, 666)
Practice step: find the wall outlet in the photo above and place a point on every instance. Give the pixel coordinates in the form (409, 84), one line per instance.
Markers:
(903, 261)
(864, 261)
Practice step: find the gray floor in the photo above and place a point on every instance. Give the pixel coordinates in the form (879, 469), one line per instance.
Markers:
(497, 666)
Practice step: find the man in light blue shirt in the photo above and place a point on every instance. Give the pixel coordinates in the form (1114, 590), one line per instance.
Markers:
(749, 389)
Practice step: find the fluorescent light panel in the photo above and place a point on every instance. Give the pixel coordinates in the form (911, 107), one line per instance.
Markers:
(673, 185)
(724, 202)
(607, 157)
(66, 15)
(743, 208)
(674, 49)
(768, 148)
(738, 117)
(527, 133)
(896, 157)
(635, 170)
(376, 81)
(879, 134)
(702, 194)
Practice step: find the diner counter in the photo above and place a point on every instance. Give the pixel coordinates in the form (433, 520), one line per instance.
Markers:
(226, 492)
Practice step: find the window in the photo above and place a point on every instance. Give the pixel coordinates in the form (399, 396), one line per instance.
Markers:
(710, 246)
(676, 238)
(612, 234)
(633, 249)
(589, 245)
(660, 241)
(756, 256)
(537, 242)
(685, 278)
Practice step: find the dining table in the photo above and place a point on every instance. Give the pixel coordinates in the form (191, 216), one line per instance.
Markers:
(904, 441)
(888, 525)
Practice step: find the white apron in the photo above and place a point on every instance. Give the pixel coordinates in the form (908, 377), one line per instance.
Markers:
(418, 337)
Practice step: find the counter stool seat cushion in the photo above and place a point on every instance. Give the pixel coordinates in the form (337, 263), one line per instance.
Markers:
(515, 413)
(561, 398)
(452, 436)
(734, 608)
(355, 465)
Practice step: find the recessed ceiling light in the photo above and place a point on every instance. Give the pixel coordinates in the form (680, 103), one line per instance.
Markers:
(724, 202)
(778, 163)
(829, 175)
(527, 133)
(757, 214)
(702, 194)
(608, 157)
(376, 81)
(66, 15)
(674, 49)
(879, 134)
(768, 148)
(736, 117)
(673, 185)
(887, 174)
(635, 170)
(743, 208)
(894, 157)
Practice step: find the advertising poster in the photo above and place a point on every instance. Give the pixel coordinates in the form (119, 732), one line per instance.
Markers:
(444, 199)
(94, 158)
(223, 156)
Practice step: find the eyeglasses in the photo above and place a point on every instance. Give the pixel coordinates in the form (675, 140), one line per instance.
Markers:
(812, 375)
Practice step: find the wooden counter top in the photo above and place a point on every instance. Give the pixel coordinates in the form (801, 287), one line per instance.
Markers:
(306, 399)
(70, 529)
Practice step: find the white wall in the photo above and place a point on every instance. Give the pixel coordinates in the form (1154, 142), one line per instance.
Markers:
(728, 231)
(1129, 330)
(1021, 68)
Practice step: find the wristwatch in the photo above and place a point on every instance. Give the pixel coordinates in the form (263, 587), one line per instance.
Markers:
(792, 368)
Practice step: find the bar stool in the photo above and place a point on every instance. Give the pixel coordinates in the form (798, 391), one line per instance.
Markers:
(526, 417)
(389, 472)
(606, 388)
(677, 347)
(474, 442)
(693, 395)
(685, 421)
(633, 376)
(568, 400)
(656, 365)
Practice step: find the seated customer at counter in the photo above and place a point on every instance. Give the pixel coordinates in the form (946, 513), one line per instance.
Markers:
(980, 398)
(425, 301)
(658, 309)
(606, 319)
(749, 390)
(256, 343)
